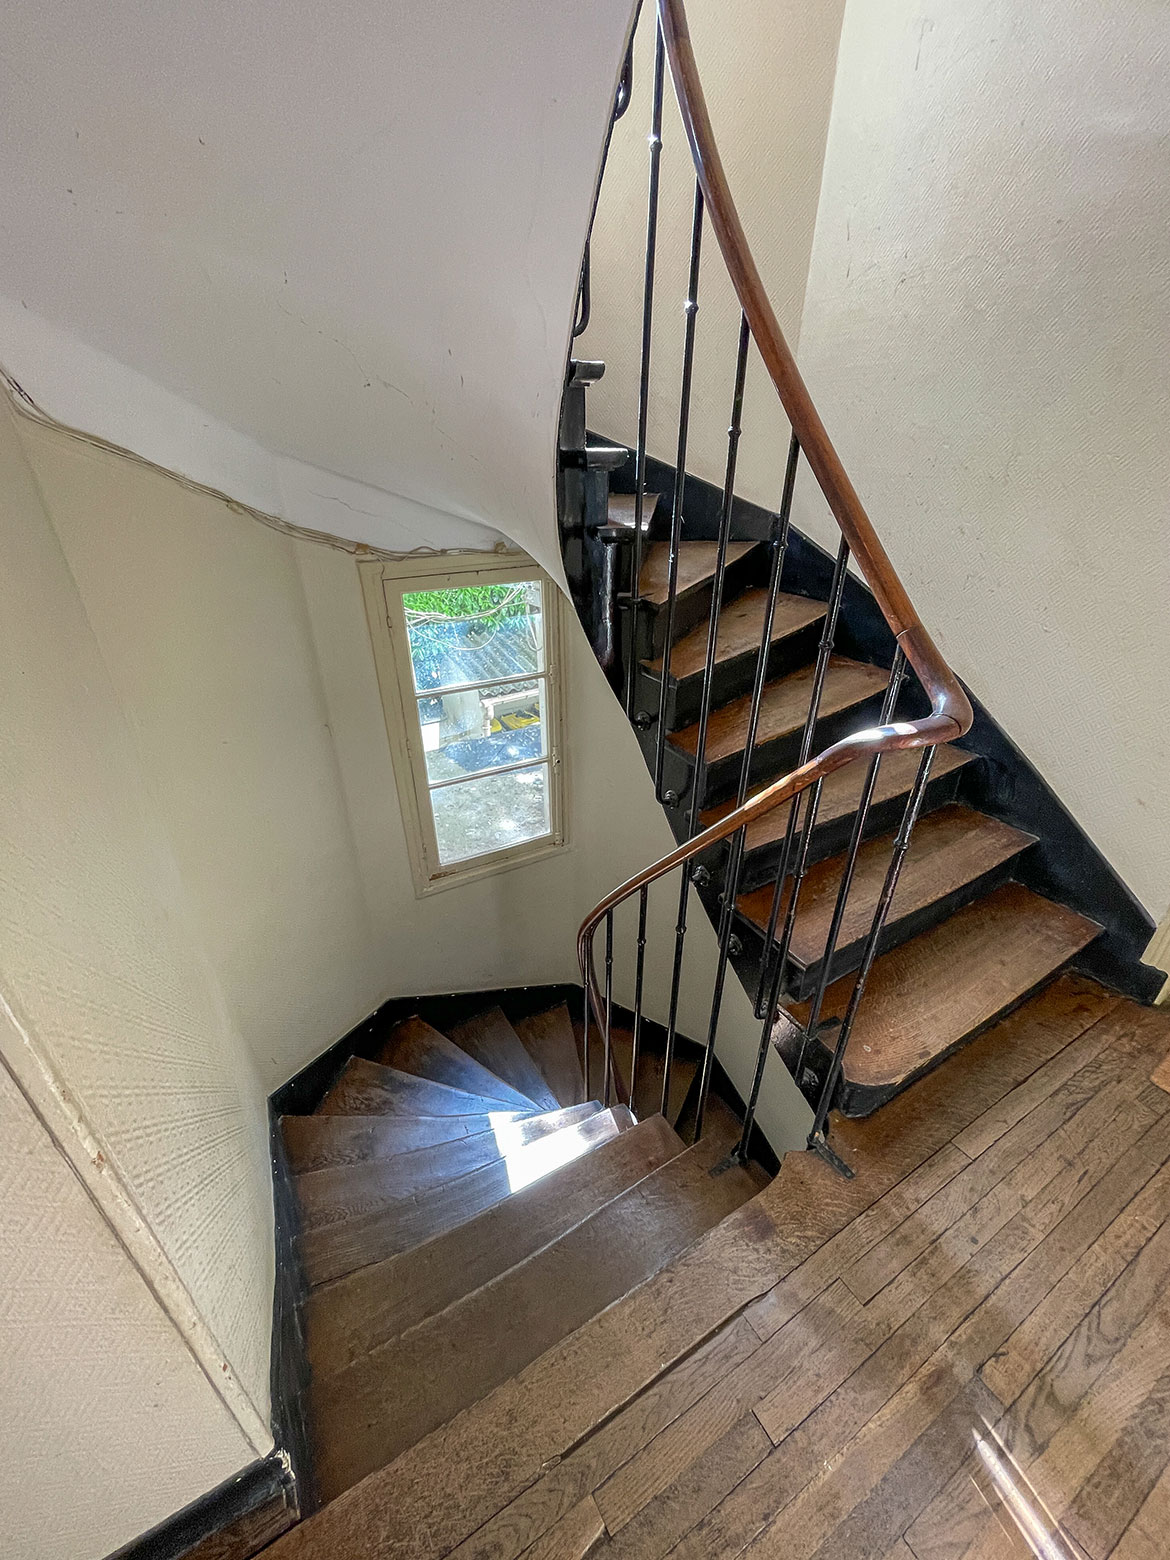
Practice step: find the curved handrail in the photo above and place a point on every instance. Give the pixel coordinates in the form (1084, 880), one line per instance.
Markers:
(951, 714)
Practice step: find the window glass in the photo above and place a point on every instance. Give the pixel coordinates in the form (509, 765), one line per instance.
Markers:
(474, 633)
(474, 817)
(477, 657)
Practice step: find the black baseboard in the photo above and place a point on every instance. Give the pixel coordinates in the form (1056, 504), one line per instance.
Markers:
(303, 1092)
(240, 1515)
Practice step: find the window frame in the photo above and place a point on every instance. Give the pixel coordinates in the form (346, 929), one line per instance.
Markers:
(384, 583)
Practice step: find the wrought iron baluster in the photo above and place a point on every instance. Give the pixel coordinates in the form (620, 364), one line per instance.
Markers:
(817, 1138)
(889, 704)
(824, 651)
(608, 1047)
(680, 469)
(644, 364)
(779, 545)
(585, 1021)
(639, 975)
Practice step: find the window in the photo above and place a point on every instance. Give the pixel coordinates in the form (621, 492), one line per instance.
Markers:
(467, 660)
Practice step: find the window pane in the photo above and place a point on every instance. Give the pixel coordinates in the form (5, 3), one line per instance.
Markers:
(491, 813)
(482, 728)
(474, 633)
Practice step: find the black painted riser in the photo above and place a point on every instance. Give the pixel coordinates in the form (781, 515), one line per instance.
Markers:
(694, 607)
(760, 866)
(731, 679)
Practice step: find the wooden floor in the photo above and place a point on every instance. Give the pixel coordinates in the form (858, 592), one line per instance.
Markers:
(964, 1352)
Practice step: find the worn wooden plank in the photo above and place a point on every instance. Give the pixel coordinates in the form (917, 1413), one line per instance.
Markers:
(506, 1534)
(696, 565)
(1105, 1504)
(950, 848)
(1090, 1069)
(329, 1251)
(348, 1191)
(491, 1040)
(369, 1089)
(369, 1412)
(1145, 1537)
(741, 622)
(573, 1537)
(414, 1046)
(321, 1142)
(697, 1488)
(793, 1350)
(994, 951)
(355, 1314)
(783, 708)
(549, 1040)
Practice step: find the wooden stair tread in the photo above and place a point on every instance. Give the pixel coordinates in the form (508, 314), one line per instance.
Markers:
(620, 510)
(371, 1089)
(549, 1040)
(783, 708)
(331, 1250)
(389, 1399)
(841, 792)
(414, 1046)
(928, 996)
(949, 848)
(491, 1040)
(349, 1317)
(696, 565)
(317, 1142)
(348, 1191)
(741, 622)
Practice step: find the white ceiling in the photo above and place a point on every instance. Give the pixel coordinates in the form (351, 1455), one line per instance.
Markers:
(348, 232)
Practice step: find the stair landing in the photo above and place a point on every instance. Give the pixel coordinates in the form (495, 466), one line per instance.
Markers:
(808, 1379)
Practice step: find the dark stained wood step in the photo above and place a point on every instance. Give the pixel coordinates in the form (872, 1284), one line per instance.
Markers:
(939, 990)
(741, 623)
(347, 1191)
(317, 1142)
(387, 1400)
(620, 510)
(413, 1046)
(783, 709)
(647, 1099)
(363, 1310)
(370, 1089)
(696, 566)
(953, 853)
(491, 1040)
(840, 797)
(335, 1249)
(549, 1040)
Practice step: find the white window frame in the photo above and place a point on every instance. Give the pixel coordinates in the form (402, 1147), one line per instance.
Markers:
(384, 583)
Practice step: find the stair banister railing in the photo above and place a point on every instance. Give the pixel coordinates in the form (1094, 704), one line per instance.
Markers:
(950, 715)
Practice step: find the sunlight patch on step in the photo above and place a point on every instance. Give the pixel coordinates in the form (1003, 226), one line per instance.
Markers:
(528, 1162)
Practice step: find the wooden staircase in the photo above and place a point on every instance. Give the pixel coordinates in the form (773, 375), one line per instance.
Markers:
(963, 942)
(465, 1205)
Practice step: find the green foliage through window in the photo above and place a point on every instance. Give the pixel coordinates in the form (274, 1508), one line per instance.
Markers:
(487, 604)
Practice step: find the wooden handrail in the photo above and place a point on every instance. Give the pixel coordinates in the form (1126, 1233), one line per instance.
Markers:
(951, 714)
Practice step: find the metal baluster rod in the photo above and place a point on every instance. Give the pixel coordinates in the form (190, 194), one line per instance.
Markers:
(779, 544)
(734, 431)
(869, 785)
(817, 1138)
(639, 976)
(644, 363)
(824, 651)
(680, 471)
(608, 1048)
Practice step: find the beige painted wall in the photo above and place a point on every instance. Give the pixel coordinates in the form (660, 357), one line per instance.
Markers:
(767, 69)
(984, 332)
(113, 1021)
(109, 1425)
(204, 878)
